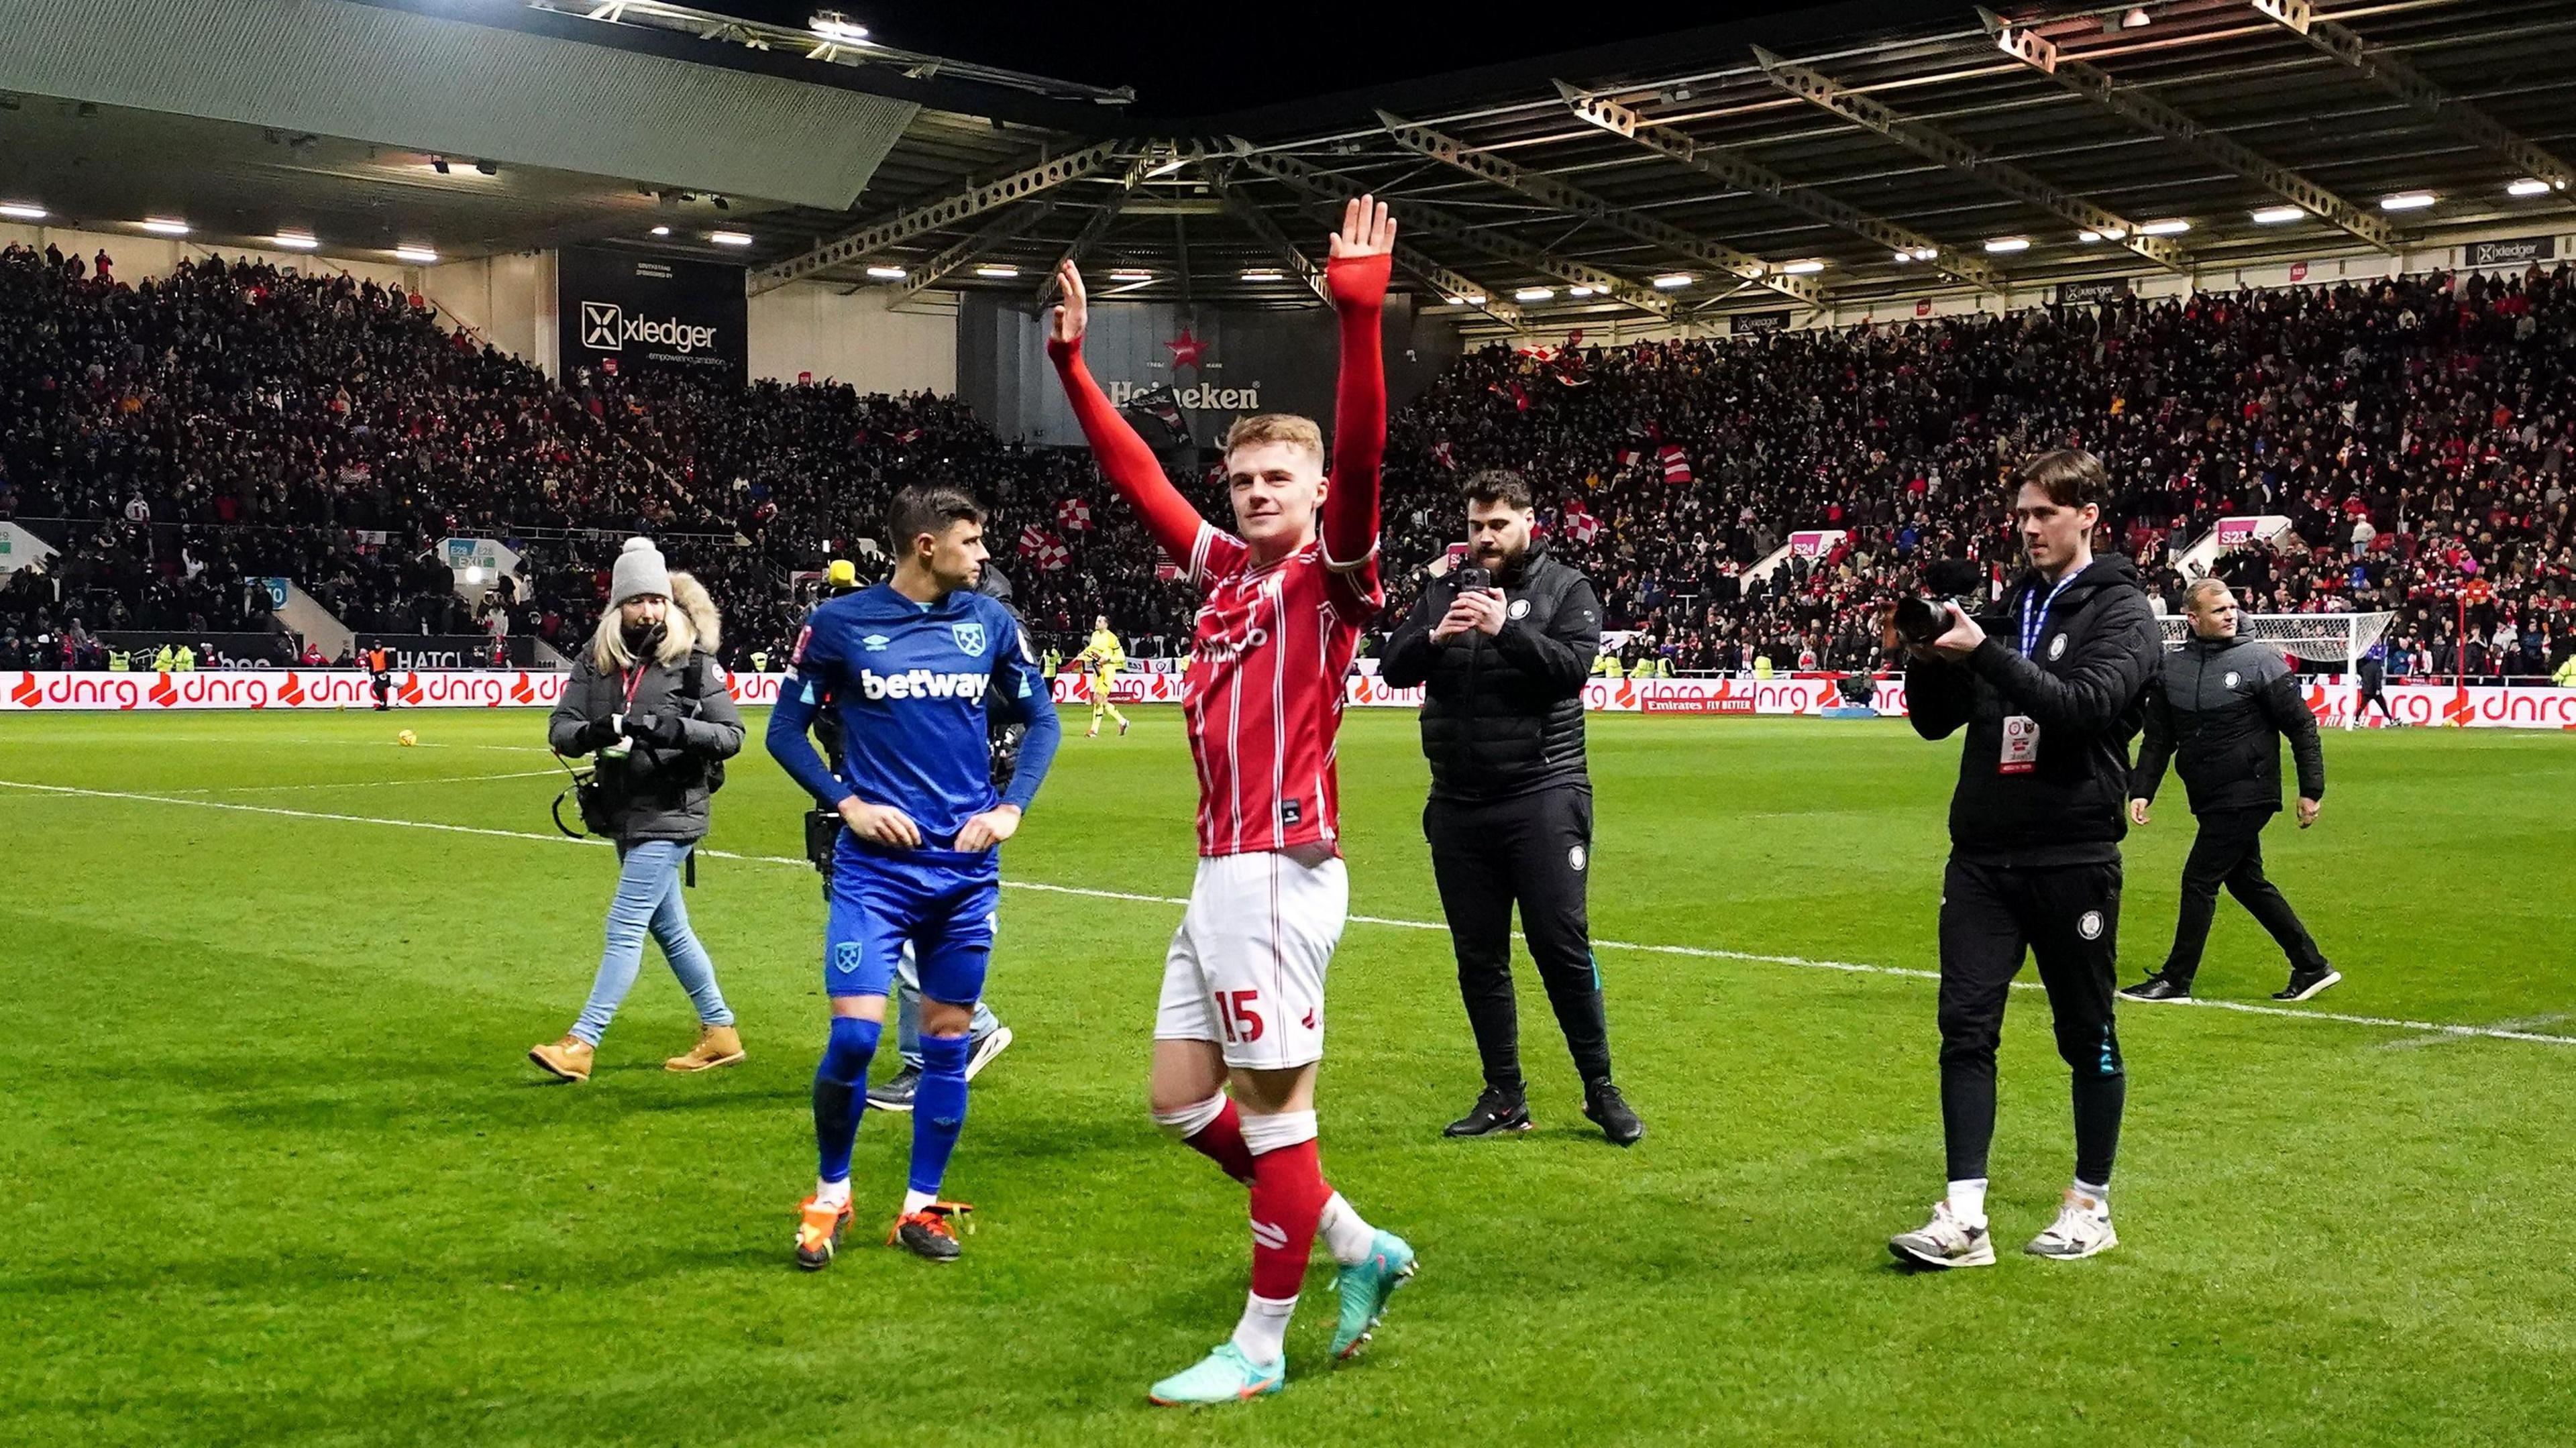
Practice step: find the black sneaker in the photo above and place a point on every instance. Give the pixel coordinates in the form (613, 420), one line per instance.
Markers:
(2306, 984)
(927, 1233)
(896, 1093)
(2157, 988)
(1609, 1111)
(1496, 1112)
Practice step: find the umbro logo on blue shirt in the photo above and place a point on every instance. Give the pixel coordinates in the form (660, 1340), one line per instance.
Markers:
(875, 643)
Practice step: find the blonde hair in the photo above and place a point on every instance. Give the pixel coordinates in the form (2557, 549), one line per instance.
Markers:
(1282, 427)
(689, 624)
(2201, 589)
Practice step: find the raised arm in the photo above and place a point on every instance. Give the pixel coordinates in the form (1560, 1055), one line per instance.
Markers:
(1356, 275)
(1123, 455)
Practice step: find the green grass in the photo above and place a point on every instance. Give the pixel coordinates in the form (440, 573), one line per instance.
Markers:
(274, 1169)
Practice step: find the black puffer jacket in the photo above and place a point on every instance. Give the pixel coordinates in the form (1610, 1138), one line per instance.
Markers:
(2081, 686)
(656, 792)
(2219, 708)
(1503, 716)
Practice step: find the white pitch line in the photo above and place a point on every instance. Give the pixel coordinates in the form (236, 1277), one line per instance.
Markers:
(369, 783)
(1695, 952)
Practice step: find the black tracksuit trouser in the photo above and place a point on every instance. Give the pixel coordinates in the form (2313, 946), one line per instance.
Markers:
(1533, 850)
(2068, 918)
(2229, 851)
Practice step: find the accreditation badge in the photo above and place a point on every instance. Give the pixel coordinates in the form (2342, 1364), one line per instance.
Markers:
(2021, 745)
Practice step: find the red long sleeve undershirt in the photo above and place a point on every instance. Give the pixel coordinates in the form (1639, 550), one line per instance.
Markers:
(1125, 458)
(1349, 526)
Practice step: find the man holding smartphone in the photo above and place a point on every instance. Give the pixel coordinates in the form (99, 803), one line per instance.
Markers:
(1502, 646)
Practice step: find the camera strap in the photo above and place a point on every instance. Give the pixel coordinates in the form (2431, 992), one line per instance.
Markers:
(2034, 612)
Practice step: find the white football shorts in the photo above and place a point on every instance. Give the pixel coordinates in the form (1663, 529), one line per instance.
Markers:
(1246, 968)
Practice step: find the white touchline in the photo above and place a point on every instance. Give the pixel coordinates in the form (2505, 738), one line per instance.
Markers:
(1696, 952)
(367, 783)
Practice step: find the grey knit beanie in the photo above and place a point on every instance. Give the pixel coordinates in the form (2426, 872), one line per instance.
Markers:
(640, 570)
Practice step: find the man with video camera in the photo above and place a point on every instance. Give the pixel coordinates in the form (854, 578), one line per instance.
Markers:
(1503, 645)
(2049, 701)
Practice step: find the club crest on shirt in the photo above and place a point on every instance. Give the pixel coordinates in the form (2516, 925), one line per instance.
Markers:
(845, 956)
(2057, 648)
(2232, 678)
(1519, 608)
(970, 637)
(2090, 927)
(1576, 858)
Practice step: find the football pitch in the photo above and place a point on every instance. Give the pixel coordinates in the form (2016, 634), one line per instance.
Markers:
(277, 1170)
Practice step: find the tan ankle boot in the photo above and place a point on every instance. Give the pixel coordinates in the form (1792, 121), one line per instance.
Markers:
(717, 1046)
(568, 1058)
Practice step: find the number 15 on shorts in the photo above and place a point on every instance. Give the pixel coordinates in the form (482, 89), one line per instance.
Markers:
(1238, 1016)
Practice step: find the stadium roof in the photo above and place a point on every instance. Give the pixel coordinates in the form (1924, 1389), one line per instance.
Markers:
(1774, 161)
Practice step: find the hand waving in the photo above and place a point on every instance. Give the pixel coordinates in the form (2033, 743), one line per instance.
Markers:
(1073, 314)
(1367, 229)
(1363, 251)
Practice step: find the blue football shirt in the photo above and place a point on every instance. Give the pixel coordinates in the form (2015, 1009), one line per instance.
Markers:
(913, 684)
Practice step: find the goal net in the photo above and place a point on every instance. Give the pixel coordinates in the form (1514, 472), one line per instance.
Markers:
(2321, 641)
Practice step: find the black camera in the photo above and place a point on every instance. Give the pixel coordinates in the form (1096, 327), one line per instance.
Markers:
(1924, 616)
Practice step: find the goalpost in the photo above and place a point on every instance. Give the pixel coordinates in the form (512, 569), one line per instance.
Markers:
(2315, 640)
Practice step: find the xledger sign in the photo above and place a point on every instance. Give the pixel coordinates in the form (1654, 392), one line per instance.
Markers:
(620, 312)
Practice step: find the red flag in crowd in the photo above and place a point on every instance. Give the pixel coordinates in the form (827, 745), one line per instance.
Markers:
(1073, 515)
(1053, 556)
(1582, 527)
(1440, 454)
(1033, 541)
(1677, 468)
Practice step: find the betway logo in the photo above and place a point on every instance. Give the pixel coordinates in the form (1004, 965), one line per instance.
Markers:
(922, 684)
(605, 327)
(1201, 396)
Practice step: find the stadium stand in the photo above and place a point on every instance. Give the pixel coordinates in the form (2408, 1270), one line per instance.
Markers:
(184, 438)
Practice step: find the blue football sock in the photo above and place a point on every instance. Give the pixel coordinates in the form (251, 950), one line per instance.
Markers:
(938, 1108)
(837, 1081)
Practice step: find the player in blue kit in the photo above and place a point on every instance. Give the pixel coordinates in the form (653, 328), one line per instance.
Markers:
(911, 666)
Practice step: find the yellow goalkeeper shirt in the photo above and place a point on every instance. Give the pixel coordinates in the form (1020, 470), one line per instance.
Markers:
(1103, 654)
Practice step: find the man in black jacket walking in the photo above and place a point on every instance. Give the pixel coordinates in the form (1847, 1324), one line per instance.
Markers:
(2220, 707)
(1503, 644)
(2049, 703)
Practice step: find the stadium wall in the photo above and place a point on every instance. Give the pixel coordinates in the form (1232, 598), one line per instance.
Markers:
(855, 337)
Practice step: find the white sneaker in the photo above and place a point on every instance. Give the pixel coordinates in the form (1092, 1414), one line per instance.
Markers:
(1944, 1242)
(2082, 1228)
(988, 1045)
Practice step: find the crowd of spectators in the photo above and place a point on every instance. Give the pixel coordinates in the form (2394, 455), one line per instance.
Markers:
(2415, 432)
(184, 438)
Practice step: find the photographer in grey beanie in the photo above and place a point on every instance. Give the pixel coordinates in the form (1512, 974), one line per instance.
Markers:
(648, 700)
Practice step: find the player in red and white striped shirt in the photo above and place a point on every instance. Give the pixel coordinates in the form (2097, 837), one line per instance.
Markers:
(1243, 986)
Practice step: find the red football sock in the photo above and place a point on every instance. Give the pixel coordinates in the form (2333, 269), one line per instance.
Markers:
(1221, 1141)
(1288, 1196)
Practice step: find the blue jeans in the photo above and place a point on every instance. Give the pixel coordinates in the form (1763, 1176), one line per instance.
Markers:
(907, 1011)
(648, 899)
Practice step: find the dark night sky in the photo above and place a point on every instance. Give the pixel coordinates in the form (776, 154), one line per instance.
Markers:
(1193, 58)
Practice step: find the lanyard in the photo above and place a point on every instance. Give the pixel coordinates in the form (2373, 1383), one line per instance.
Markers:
(2034, 621)
(635, 680)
